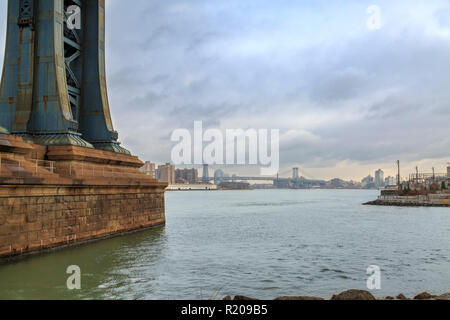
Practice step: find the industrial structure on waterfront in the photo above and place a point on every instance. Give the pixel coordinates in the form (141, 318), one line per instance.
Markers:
(420, 189)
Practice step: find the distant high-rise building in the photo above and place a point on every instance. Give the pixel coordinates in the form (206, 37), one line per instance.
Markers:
(368, 179)
(218, 174)
(186, 176)
(205, 178)
(166, 173)
(368, 182)
(149, 169)
(295, 174)
(448, 172)
(379, 178)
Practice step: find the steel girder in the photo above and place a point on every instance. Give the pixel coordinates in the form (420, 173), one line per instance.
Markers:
(53, 88)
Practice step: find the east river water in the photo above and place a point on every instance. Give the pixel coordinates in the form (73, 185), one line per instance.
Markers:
(263, 244)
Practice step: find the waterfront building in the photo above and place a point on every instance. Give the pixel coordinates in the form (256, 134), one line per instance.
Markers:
(192, 187)
(390, 181)
(205, 178)
(295, 174)
(337, 183)
(234, 186)
(186, 176)
(218, 174)
(149, 169)
(368, 182)
(379, 178)
(166, 173)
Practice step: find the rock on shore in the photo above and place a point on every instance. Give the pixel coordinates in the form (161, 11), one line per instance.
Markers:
(445, 296)
(354, 295)
(299, 299)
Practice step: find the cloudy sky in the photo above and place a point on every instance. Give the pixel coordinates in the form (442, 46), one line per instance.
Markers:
(347, 100)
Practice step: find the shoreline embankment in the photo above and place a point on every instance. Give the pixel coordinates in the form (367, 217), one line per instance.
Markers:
(429, 200)
(415, 201)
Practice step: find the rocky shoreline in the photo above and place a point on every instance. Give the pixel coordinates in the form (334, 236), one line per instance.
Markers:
(406, 203)
(351, 295)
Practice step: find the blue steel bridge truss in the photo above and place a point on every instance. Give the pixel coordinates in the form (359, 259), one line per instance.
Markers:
(53, 88)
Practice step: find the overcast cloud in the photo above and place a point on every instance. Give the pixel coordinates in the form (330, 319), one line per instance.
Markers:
(347, 100)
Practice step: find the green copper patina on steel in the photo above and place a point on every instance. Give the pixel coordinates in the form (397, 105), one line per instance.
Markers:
(53, 89)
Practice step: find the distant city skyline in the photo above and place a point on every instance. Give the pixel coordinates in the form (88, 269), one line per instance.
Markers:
(347, 99)
(390, 175)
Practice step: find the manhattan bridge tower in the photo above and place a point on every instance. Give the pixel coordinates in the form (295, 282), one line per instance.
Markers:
(53, 89)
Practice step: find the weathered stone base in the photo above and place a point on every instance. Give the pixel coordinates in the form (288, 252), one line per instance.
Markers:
(73, 244)
(71, 215)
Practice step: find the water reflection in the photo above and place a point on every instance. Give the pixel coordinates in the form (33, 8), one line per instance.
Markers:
(261, 243)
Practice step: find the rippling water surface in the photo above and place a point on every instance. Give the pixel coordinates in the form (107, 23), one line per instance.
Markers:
(262, 244)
